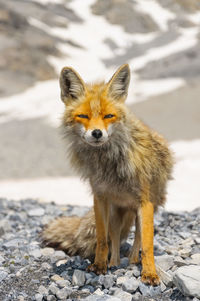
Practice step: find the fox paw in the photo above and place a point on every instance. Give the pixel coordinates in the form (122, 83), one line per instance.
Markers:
(150, 278)
(97, 269)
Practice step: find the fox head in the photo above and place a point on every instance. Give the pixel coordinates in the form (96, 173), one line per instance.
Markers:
(92, 111)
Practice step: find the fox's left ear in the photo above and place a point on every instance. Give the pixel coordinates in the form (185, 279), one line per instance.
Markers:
(119, 83)
(71, 84)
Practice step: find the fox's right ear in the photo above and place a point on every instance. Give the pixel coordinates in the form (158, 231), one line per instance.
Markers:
(71, 84)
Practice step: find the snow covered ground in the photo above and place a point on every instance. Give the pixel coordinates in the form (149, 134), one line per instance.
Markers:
(42, 100)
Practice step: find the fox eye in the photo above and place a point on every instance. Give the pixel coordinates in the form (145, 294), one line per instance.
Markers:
(109, 116)
(83, 116)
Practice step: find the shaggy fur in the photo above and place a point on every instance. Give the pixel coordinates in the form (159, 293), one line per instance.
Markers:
(119, 169)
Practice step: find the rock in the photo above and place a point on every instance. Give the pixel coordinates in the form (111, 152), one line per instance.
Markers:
(4, 227)
(78, 278)
(98, 292)
(3, 275)
(108, 281)
(187, 279)
(121, 280)
(101, 298)
(2, 259)
(165, 262)
(124, 262)
(63, 293)
(51, 298)
(38, 297)
(63, 283)
(57, 255)
(42, 290)
(123, 296)
(164, 276)
(195, 259)
(149, 291)
(53, 288)
(56, 278)
(36, 212)
(35, 253)
(137, 297)
(60, 262)
(47, 252)
(179, 262)
(46, 266)
(185, 252)
(197, 240)
(136, 271)
(130, 285)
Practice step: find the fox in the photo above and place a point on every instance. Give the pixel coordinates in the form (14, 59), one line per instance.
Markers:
(128, 166)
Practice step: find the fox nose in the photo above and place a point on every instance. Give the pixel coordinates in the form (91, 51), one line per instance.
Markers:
(97, 133)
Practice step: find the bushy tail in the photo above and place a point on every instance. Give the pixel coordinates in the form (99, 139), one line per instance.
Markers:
(74, 235)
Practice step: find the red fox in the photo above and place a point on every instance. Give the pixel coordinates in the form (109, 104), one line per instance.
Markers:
(128, 166)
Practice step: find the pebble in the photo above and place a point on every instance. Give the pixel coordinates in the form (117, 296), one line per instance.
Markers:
(165, 262)
(63, 293)
(187, 279)
(3, 275)
(47, 252)
(36, 212)
(130, 285)
(43, 290)
(78, 278)
(123, 296)
(57, 276)
(38, 297)
(58, 255)
(149, 291)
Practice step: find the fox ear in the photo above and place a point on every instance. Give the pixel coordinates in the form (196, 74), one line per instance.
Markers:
(71, 84)
(118, 84)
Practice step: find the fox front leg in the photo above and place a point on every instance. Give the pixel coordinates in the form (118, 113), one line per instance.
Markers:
(149, 275)
(101, 209)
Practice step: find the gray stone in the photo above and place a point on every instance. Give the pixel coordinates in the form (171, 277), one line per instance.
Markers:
(121, 280)
(57, 255)
(3, 275)
(51, 298)
(35, 253)
(123, 296)
(195, 259)
(108, 281)
(78, 278)
(197, 240)
(165, 262)
(4, 227)
(164, 276)
(130, 285)
(53, 288)
(38, 297)
(179, 261)
(2, 259)
(187, 279)
(42, 290)
(136, 271)
(63, 283)
(137, 297)
(101, 298)
(149, 291)
(124, 262)
(63, 293)
(36, 212)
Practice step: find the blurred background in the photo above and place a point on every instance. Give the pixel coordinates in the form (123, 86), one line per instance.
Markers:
(160, 39)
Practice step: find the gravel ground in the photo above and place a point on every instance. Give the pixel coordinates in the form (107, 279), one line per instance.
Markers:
(29, 271)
